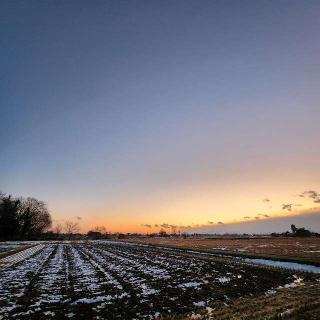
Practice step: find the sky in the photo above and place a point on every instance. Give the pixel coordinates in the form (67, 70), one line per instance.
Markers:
(137, 114)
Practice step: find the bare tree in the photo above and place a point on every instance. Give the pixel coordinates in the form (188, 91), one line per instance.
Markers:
(100, 229)
(71, 227)
(34, 217)
(22, 218)
(163, 233)
(57, 229)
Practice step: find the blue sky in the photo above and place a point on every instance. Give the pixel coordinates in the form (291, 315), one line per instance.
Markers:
(135, 110)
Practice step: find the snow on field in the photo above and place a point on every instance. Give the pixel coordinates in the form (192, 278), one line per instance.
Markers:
(125, 269)
(223, 279)
(16, 280)
(20, 256)
(199, 304)
(189, 285)
(98, 280)
(49, 278)
(5, 247)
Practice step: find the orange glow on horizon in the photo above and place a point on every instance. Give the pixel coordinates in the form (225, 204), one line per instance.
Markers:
(196, 205)
(134, 227)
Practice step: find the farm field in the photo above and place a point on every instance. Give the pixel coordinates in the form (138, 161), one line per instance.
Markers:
(11, 246)
(299, 249)
(7, 247)
(114, 280)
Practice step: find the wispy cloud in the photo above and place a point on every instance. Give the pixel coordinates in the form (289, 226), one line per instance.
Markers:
(287, 206)
(263, 215)
(314, 195)
(307, 218)
(266, 200)
(146, 225)
(210, 222)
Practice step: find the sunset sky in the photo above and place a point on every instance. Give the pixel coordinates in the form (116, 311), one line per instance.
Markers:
(131, 114)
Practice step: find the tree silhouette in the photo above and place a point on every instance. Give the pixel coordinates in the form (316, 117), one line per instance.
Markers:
(71, 227)
(9, 218)
(22, 218)
(293, 228)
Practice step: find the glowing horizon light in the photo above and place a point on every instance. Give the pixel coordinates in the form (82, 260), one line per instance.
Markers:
(155, 112)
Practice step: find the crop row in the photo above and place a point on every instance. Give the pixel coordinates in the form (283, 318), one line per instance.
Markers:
(108, 280)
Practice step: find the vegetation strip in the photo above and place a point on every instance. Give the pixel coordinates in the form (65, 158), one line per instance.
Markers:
(300, 260)
(12, 252)
(10, 260)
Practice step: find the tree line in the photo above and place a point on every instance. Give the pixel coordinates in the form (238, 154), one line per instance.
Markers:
(29, 219)
(23, 218)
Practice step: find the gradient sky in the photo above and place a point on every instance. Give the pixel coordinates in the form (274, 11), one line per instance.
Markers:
(148, 112)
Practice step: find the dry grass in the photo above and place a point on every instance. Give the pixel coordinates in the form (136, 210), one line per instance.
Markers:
(301, 303)
(295, 303)
(296, 249)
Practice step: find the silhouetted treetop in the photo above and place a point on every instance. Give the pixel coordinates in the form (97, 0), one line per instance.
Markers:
(22, 218)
